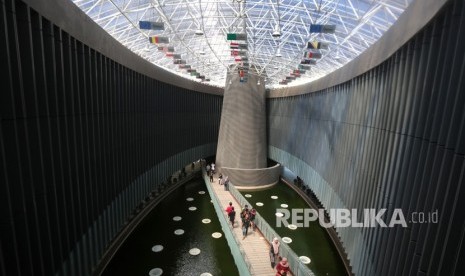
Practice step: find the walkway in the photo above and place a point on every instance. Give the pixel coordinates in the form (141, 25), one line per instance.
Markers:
(254, 245)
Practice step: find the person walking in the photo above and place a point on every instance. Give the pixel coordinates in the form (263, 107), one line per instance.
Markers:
(211, 176)
(253, 213)
(245, 224)
(229, 208)
(220, 178)
(274, 252)
(232, 216)
(226, 183)
(282, 268)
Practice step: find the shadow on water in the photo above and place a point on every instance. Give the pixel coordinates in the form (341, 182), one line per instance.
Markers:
(311, 241)
(136, 257)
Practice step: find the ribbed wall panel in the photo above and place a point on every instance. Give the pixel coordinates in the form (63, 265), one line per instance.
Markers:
(392, 137)
(83, 140)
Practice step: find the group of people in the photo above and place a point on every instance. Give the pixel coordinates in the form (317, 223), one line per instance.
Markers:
(247, 218)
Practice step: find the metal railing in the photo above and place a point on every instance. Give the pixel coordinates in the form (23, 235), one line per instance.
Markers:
(242, 262)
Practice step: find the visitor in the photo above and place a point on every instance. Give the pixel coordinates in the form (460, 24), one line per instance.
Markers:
(229, 208)
(211, 176)
(282, 268)
(245, 224)
(232, 216)
(213, 167)
(274, 252)
(226, 183)
(220, 178)
(253, 213)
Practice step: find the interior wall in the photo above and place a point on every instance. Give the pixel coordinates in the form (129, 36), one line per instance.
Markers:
(392, 137)
(83, 139)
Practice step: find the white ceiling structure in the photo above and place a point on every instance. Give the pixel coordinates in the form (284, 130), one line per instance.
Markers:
(197, 30)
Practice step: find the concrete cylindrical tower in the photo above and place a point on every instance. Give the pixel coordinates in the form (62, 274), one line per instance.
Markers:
(242, 143)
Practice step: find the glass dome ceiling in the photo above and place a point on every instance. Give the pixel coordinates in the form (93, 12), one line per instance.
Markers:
(190, 37)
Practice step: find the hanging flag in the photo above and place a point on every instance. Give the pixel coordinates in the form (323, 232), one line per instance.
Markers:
(308, 61)
(234, 45)
(177, 56)
(184, 66)
(168, 49)
(159, 39)
(317, 45)
(283, 82)
(243, 46)
(312, 55)
(232, 36)
(148, 25)
(169, 54)
(190, 70)
(160, 48)
(304, 67)
(237, 58)
(317, 28)
(179, 61)
(241, 73)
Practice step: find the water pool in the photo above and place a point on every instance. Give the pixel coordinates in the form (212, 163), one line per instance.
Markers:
(140, 254)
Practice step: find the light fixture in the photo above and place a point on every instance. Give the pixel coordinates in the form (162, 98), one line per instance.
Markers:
(278, 53)
(277, 31)
(199, 31)
(258, 83)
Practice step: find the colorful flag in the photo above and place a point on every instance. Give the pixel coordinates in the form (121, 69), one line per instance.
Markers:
(232, 36)
(312, 55)
(148, 25)
(179, 61)
(308, 61)
(317, 28)
(159, 39)
(304, 67)
(317, 45)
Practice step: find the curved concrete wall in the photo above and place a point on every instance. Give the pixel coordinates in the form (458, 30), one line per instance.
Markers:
(392, 137)
(83, 138)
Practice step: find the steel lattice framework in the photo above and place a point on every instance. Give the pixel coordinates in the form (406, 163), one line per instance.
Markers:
(359, 23)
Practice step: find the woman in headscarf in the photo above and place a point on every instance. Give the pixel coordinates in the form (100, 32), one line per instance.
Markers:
(282, 268)
(274, 252)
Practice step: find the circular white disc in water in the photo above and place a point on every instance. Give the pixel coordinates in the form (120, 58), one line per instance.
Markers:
(177, 218)
(287, 240)
(189, 199)
(157, 248)
(304, 259)
(178, 232)
(194, 251)
(248, 195)
(274, 197)
(206, 274)
(284, 205)
(260, 204)
(292, 226)
(201, 192)
(279, 215)
(192, 208)
(206, 220)
(217, 235)
(156, 272)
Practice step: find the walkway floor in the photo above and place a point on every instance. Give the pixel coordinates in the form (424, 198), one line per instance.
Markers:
(255, 246)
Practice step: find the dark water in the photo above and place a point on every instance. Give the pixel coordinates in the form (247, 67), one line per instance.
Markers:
(135, 257)
(311, 241)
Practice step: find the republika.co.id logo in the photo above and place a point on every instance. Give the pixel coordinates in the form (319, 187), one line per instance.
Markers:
(351, 218)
